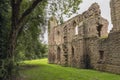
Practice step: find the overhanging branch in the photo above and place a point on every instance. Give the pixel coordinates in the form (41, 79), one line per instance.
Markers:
(29, 10)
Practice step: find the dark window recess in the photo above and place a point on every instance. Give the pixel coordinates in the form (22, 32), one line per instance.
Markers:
(58, 53)
(101, 54)
(99, 28)
(72, 51)
(74, 23)
(58, 33)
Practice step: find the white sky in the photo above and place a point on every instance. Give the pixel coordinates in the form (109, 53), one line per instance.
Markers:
(104, 6)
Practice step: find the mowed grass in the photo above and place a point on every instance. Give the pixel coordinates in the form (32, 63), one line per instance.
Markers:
(41, 70)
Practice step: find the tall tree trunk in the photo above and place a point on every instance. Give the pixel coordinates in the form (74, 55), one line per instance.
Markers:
(13, 39)
(16, 29)
(11, 52)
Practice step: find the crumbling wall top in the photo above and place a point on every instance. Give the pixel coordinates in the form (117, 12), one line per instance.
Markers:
(94, 9)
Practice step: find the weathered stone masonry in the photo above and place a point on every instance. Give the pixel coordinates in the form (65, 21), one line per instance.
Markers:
(83, 41)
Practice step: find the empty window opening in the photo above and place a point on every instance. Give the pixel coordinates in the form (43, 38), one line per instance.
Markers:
(72, 57)
(74, 23)
(76, 30)
(72, 51)
(101, 54)
(58, 53)
(99, 28)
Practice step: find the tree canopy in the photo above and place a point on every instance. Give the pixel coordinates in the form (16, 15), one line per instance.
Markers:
(21, 23)
(62, 8)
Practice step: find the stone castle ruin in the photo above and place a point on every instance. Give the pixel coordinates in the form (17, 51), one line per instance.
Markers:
(83, 41)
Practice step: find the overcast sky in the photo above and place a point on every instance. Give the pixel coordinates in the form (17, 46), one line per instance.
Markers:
(104, 6)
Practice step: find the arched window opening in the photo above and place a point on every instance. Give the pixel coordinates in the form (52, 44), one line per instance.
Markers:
(76, 30)
(58, 53)
(74, 23)
(99, 28)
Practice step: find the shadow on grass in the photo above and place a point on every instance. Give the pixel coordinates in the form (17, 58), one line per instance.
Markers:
(28, 66)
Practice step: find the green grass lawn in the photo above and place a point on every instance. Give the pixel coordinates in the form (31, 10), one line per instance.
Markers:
(41, 70)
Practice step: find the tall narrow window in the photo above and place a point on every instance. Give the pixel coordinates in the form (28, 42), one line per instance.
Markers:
(99, 28)
(58, 53)
(101, 54)
(72, 51)
(76, 30)
(72, 57)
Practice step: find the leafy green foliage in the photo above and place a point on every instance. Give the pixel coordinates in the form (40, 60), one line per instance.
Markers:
(4, 26)
(31, 50)
(29, 45)
(62, 8)
(4, 30)
(23, 28)
(41, 70)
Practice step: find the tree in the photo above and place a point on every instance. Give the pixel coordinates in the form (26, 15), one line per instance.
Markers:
(17, 23)
(63, 8)
(30, 36)
(19, 17)
(4, 30)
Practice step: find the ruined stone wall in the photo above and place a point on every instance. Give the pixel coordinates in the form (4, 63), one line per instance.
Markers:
(112, 50)
(51, 56)
(111, 46)
(94, 27)
(82, 41)
(112, 43)
(113, 56)
(72, 35)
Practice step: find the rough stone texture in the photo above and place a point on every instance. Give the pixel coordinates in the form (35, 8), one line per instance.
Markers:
(115, 14)
(83, 41)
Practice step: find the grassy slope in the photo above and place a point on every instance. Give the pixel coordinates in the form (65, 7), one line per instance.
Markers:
(41, 70)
